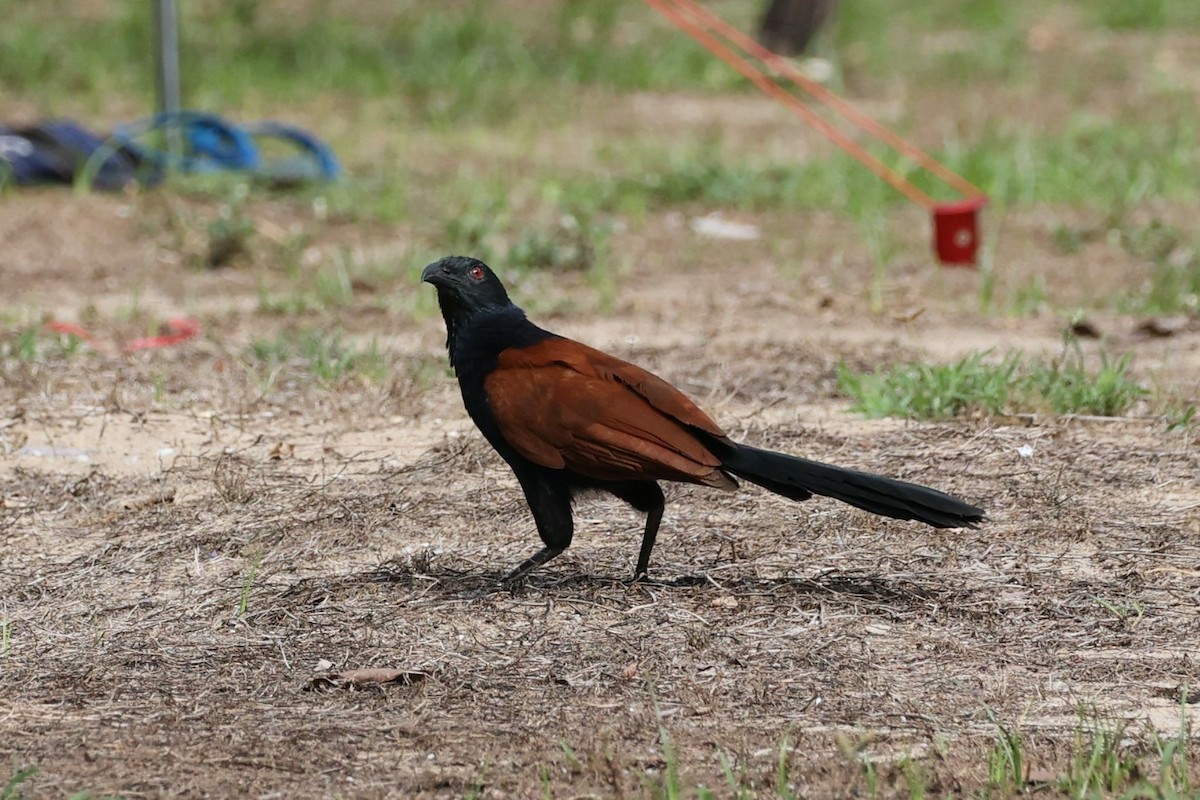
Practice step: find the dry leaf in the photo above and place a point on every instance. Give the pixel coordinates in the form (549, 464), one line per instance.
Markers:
(909, 314)
(280, 451)
(370, 676)
(1040, 775)
(145, 500)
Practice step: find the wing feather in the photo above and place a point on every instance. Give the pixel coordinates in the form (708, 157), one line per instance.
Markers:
(564, 405)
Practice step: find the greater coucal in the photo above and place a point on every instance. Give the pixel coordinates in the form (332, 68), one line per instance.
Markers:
(570, 419)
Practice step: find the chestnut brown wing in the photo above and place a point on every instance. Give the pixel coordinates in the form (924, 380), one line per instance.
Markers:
(564, 405)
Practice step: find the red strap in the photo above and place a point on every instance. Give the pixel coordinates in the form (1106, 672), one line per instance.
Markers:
(704, 26)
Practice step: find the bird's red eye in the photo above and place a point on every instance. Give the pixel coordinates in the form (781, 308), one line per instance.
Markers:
(476, 273)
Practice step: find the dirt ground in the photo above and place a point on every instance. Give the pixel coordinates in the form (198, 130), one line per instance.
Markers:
(188, 542)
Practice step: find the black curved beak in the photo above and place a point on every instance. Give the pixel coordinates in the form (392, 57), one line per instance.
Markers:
(437, 274)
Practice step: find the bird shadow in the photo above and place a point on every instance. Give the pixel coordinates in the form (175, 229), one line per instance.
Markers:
(445, 583)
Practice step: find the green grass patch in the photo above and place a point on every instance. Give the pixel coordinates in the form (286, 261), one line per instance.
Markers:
(471, 66)
(1095, 163)
(12, 788)
(347, 278)
(34, 345)
(321, 354)
(1107, 758)
(1145, 14)
(979, 383)
(567, 241)
(1183, 417)
(442, 64)
(975, 39)
(1171, 258)
(1103, 765)
(473, 61)
(650, 179)
(1173, 285)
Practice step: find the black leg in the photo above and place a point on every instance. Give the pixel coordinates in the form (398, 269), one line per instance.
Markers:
(648, 497)
(535, 560)
(550, 502)
(653, 519)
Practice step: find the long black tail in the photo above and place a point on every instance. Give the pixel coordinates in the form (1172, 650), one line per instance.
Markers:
(799, 479)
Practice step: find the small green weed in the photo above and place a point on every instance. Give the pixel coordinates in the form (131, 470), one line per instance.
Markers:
(477, 226)
(573, 242)
(22, 347)
(479, 783)
(1099, 764)
(322, 354)
(783, 787)
(736, 782)
(1006, 769)
(1070, 240)
(932, 391)
(882, 247)
(1172, 256)
(1184, 418)
(650, 179)
(856, 751)
(12, 789)
(1070, 389)
(915, 779)
(382, 196)
(1030, 297)
(252, 568)
(1123, 15)
(669, 785)
(290, 304)
(1010, 385)
(1174, 777)
(1173, 286)
(231, 231)
(333, 287)
(33, 344)
(1107, 760)
(565, 237)
(1127, 613)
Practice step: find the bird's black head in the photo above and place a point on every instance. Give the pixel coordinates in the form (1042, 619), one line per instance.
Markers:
(465, 286)
(468, 293)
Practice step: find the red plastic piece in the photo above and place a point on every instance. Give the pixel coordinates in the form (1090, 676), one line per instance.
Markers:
(174, 332)
(956, 231)
(69, 329)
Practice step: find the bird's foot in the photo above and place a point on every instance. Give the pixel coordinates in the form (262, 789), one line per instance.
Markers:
(644, 579)
(511, 584)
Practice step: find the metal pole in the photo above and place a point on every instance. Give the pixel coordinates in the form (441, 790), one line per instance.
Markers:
(166, 39)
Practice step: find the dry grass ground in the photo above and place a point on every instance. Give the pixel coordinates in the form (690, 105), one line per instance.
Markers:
(190, 536)
(169, 600)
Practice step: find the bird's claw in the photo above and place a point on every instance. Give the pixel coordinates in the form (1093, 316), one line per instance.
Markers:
(643, 579)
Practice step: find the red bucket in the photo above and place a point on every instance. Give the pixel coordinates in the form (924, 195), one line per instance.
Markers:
(956, 231)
